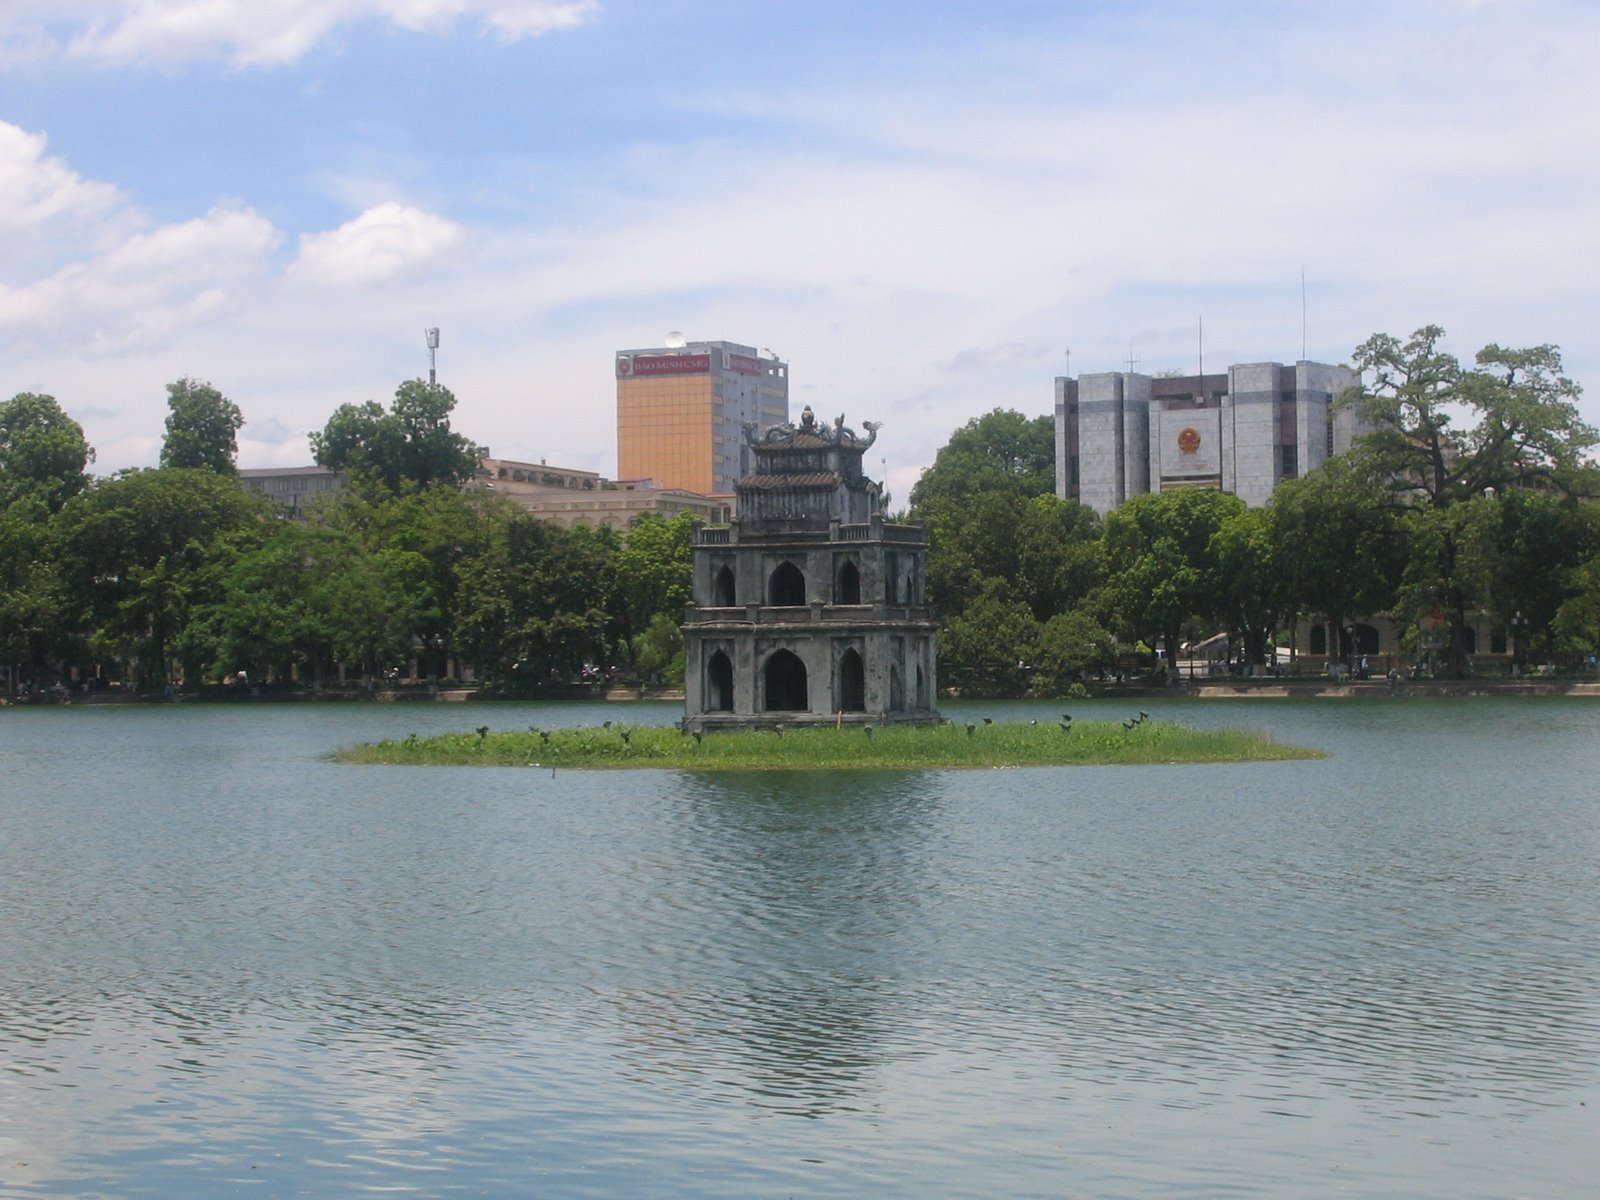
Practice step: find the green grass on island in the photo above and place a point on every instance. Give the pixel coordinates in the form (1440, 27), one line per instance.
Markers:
(901, 747)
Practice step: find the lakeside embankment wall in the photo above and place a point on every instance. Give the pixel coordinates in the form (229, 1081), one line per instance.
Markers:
(1199, 689)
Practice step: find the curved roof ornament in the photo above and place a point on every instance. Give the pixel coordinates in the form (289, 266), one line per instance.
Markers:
(839, 433)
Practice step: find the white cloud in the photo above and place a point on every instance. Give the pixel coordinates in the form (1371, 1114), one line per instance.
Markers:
(922, 247)
(382, 243)
(147, 287)
(36, 190)
(251, 32)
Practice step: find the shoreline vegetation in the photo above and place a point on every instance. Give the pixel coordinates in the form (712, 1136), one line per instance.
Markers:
(894, 747)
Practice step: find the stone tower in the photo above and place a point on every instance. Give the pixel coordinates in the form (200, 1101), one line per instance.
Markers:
(809, 607)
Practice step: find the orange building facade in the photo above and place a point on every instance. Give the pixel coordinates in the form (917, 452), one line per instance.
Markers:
(681, 412)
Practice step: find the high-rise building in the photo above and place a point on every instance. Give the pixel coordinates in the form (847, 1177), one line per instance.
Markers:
(681, 412)
(1121, 433)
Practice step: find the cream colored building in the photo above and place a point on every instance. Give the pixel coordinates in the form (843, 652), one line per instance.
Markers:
(618, 505)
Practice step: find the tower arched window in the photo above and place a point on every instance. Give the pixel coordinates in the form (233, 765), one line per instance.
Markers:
(852, 682)
(787, 586)
(784, 683)
(719, 683)
(849, 588)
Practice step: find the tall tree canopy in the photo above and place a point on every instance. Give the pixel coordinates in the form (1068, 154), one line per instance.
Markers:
(137, 550)
(1340, 543)
(202, 428)
(999, 451)
(1442, 434)
(43, 452)
(408, 446)
(988, 504)
(1160, 565)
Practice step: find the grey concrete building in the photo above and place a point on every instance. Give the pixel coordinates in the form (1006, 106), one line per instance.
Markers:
(808, 607)
(1245, 431)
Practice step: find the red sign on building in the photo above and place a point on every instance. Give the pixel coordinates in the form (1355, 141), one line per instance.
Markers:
(666, 364)
(744, 364)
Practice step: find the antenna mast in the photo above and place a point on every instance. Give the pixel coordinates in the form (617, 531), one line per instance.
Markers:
(433, 352)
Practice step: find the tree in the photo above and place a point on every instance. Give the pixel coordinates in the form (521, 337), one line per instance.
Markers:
(1249, 581)
(1578, 621)
(36, 624)
(1534, 542)
(1159, 565)
(202, 428)
(43, 452)
(406, 448)
(659, 650)
(1070, 646)
(1526, 432)
(654, 577)
(1058, 554)
(535, 602)
(314, 598)
(988, 649)
(1338, 542)
(134, 551)
(1002, 450)
(445, 527)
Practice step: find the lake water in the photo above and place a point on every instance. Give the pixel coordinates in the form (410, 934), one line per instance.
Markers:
(231, 968)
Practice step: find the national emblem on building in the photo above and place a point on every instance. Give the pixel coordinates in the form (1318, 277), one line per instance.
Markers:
(809, 607)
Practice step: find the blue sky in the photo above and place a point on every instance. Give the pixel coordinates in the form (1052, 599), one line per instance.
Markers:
(921, 206)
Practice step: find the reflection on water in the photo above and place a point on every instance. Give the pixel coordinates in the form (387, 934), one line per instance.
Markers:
(228, 964)
(785, 889)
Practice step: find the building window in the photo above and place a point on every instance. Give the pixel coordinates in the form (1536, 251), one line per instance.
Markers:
(1291, 462)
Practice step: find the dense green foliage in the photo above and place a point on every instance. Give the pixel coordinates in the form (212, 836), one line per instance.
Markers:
(1446, 439)
(179, 575)
(411, 445)
(42, 452)
(1466, 496)
(892, 747)
(202, 427)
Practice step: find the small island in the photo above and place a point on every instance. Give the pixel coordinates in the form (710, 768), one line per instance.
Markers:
(962, 745)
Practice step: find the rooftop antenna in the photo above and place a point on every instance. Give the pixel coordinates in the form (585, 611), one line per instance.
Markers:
(433, 353)
(1132, 361)
(1302, 312)
(1068, 353)
(1200, 334)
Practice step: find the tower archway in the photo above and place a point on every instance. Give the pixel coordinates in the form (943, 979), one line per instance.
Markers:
(784, 683)
(786, 588)
(722, 590)
(719, 683)
(848, 590)
(852, 695)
